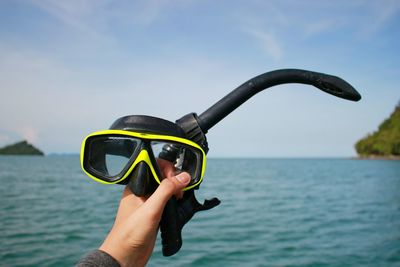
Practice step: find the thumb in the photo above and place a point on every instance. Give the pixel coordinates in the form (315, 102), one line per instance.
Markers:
(168, 187)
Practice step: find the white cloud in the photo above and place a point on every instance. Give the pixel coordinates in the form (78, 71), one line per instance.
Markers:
(97, 15)
(74, 12)
(363, 17)
(317, 27)
(268, 42)
(381, 12)
(93, 22)
(147, 12)
(311, 18)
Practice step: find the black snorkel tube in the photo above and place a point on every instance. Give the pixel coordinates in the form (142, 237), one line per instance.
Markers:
(330, 84)
(178, 212)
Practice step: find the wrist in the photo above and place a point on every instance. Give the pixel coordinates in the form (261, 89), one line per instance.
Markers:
(125, 256)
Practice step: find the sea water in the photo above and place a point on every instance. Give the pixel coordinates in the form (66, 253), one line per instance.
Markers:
(274, 212)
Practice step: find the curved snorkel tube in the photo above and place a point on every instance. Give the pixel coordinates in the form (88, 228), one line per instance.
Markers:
(330, 84)
(179, 212)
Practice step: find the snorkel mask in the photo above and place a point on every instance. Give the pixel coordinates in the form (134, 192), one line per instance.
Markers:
(136, 149)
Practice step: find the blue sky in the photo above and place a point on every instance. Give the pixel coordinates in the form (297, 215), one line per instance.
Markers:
(68, 68)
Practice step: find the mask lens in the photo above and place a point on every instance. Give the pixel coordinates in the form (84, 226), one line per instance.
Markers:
(183, 158)
(107, 157)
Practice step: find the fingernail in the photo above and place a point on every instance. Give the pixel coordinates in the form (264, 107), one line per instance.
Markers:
(183, 178)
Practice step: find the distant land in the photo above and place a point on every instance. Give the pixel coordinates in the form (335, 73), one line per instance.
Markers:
(20, 148)
(385, 142)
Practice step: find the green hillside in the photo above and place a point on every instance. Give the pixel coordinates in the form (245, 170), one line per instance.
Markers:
(385, 142)
(20, 148)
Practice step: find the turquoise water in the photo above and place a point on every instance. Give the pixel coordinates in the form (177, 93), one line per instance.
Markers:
(274, 212)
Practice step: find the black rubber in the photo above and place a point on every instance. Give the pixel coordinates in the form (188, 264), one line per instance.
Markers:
(330, 84)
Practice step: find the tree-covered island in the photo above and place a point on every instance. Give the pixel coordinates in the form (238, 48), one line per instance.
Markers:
(20, 148)
(385, 142)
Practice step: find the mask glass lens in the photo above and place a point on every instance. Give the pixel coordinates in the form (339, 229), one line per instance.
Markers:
(183, 158)
(108, 156)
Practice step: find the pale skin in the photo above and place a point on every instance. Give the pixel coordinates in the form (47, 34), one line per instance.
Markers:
(132, 238)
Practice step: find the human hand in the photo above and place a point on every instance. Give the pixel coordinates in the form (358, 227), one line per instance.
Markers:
(132, 237)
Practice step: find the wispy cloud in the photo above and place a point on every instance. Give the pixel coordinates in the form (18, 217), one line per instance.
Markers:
(313, 18)
(318, 27)
(265, 31)
(148, 12)
(268, 42)
(95, 21)
(95, 15)
(381, 12)
(362, 17)
(74, 13)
